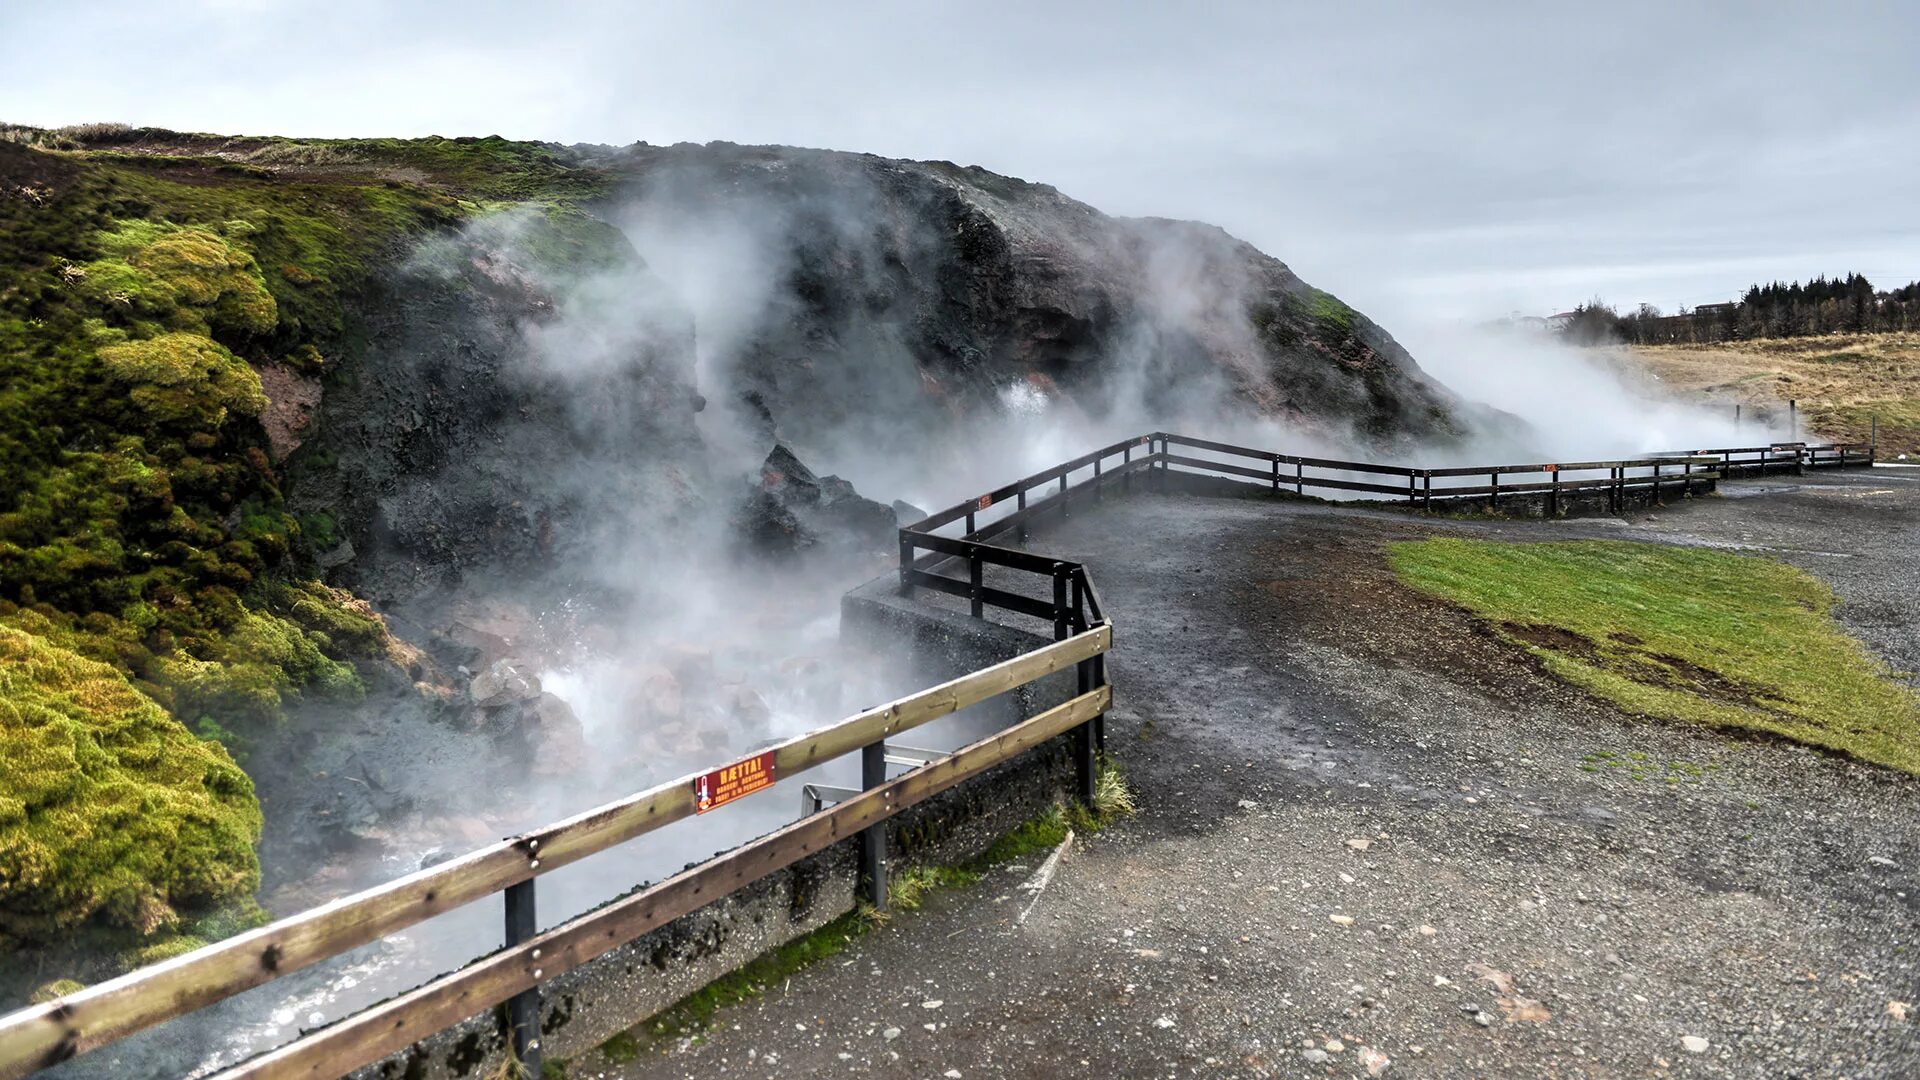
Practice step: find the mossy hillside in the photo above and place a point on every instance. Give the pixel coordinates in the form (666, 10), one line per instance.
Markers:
(142, 525)
(109, 810)
(140, 519)
(1683, 634)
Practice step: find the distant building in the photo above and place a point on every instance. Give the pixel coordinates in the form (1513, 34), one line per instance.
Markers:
(1714, 309)
(1560, 321)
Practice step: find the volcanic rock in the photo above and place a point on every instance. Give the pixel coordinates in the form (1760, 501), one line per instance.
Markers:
(504, 682)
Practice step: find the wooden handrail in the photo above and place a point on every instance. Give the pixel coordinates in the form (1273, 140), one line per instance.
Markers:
(374, 1033)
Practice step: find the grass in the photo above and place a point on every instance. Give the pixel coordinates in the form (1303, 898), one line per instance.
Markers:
(906, 892)
(1840, 380)
(1682, 634)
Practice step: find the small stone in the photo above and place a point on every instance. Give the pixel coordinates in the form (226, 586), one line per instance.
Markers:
(951, 1074)
(1375, 1061)
(1882, 860)
(1442, 980)
(1163, 1023)
(1694, 1044)
(1898, 1009)
(1346, 878)
(1360, 844)
(1483, 1018)
(934, 1004)
(1340, 920)
(1333, 1046)
(844, 1056)
(1315, 1057)
(1427, 931)
(890, 1034)
(1248, 804)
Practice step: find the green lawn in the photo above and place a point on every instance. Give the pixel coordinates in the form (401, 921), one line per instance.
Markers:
(1681, 634)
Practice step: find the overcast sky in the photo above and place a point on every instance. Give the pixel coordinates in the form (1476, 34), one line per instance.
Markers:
(1421, 159)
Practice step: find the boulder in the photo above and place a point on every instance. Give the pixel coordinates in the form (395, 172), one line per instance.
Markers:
(502, 683)
(792, 509)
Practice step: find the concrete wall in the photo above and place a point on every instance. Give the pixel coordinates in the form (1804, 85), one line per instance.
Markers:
(585, 1007)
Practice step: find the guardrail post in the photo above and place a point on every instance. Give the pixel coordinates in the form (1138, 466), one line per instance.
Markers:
(975, 579)
(1063, 497)
(1126, 474)
(1060, 613)
(971, 528)
(1493, 490)
(1020, 506)
(523, 1009)
(1276, 476)
(1426, 489)
(1410, 489)
(1656, 484)
(1553, 494)
(873, 838)
(906, 564)
(1299, 477)
(1097, 496)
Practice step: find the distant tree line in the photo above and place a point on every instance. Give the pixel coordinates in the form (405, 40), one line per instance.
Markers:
(1821, 306)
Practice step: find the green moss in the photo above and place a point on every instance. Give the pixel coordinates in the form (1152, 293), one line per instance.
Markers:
(1682, 634)
(184, 278)
(620, 1049)
(183, 378)
(58, 988)
(110, 811)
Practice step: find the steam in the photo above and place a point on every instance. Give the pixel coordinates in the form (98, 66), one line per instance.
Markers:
(1572, 403)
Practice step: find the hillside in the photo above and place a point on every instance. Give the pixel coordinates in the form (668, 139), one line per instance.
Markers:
(1841, 381)
(271, 409)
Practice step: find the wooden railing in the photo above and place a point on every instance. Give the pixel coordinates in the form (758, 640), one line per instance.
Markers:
(46, 1034)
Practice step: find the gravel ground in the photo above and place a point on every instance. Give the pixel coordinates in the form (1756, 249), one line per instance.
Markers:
(1375, 841)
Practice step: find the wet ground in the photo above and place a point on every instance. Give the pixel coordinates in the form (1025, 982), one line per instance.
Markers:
(1375, 840)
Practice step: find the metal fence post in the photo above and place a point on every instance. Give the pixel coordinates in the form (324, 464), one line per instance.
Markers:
(1553, 494)
(975, 578)
(873, 839)
(906, 564)
(523, 1009)
(1085, 769)
(1299, 477)
(1060, 601)
(1097, 495)
(1021, 507)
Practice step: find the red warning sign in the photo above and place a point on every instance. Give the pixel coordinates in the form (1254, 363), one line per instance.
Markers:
(1549, 468)
(730, 782)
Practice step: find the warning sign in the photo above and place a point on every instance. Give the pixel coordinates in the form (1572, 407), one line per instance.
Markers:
(1549, 468)
(730, 782)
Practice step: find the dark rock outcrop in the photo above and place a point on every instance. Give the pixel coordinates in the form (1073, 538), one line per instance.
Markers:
(900, 297)
(792, 510)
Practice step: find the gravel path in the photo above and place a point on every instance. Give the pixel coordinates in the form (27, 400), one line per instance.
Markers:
(1377, 840)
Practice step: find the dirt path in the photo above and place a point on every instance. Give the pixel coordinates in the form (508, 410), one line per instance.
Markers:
(1375, 838)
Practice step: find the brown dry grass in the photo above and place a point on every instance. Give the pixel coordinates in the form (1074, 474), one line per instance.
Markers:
(1840, 380)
